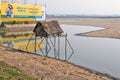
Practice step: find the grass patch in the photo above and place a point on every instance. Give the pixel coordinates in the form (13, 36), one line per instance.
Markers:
(2, 25)
(8, 72)
(13, 35)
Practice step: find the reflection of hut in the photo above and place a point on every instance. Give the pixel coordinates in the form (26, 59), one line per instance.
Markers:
(45, 29)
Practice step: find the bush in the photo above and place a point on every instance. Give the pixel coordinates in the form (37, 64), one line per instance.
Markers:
(2, 25)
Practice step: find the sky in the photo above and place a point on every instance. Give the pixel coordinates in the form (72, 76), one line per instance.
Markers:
(103, 7)
(98, 7)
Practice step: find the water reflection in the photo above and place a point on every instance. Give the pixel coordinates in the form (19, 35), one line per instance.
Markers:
(100, 54)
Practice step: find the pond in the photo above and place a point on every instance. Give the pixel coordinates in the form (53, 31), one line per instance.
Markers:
(99, 54)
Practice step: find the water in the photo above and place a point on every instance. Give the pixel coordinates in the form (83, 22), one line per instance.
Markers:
(99, 54)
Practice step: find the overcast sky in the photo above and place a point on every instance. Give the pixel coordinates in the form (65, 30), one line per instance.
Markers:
(102, 7)
(83, 6)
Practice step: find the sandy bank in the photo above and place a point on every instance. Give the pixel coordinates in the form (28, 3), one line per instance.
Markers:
(47, 68)
(112, 26)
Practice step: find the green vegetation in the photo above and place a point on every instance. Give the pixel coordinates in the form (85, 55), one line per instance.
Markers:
(15, 22)
(8, 72)
(14, 36)
(2, 34)
(2, 25)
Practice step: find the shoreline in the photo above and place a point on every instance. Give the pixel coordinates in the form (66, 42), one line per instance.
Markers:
(79, 66)
(111, 26)
(73, 67)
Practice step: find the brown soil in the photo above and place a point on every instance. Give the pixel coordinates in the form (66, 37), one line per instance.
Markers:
(47, 68)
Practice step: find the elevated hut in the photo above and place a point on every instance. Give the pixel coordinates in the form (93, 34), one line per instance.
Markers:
(45, 29)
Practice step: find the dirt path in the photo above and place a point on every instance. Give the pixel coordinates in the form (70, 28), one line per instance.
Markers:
(47, 68)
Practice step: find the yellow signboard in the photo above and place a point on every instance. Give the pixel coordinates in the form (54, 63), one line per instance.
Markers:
(0, 4)
(21, 43)
(20, 10)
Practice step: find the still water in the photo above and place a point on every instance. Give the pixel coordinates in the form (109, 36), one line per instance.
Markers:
(99, 54)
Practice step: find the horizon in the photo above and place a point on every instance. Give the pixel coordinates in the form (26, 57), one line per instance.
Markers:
(82, 15)
(86, 7)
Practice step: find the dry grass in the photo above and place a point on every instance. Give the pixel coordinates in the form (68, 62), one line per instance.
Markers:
(47, 68)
